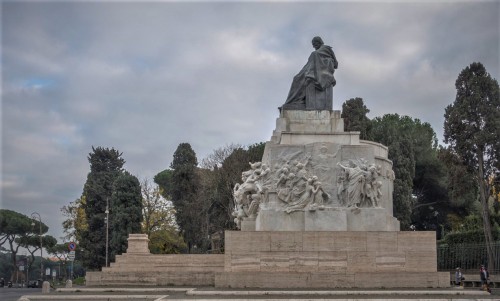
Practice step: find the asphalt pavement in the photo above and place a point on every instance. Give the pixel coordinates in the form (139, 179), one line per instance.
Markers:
(210, 294)
(14, 293)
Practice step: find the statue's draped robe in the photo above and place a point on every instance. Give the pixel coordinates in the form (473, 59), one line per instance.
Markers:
(318, 70)
(355, 188)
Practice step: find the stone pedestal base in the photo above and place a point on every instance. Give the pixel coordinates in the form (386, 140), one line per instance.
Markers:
(328, 259)
(138, 244)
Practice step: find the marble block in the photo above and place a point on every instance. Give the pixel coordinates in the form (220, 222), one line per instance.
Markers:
(328, 219)
(331, 219)
(138, 243)
(248, 224)
(370, 219)
(277, 220)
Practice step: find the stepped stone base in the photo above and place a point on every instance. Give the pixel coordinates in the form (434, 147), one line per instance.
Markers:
(139, 267)
(288, 259)
(150, 269)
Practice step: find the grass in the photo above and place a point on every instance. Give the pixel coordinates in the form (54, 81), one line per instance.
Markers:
(79, 281)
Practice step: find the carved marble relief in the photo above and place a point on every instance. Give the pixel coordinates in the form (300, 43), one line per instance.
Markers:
(359, 184)
(298, 181)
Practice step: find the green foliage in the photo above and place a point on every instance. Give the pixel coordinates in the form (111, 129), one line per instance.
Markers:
(6, 266)
(166, 242)
(395, 132)
(183, 191)
(164, 180)
(469, 237)
(472, 124)
(16, 224)
(222, 170)
(472, 128)
(18, 230)
(105, 167)
(429, 182)
(159, 222)
(79, 281)
(420, 195)
(125, 212)
(461, 185)
(354, 113)
(76, 221)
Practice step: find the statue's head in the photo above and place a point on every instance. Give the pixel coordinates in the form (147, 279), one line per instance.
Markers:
(317, 42)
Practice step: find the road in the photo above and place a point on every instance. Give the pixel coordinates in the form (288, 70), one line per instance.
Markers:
(12, 294)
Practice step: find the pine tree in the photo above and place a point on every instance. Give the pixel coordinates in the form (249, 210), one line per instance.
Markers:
(472, 128)
(125, 212)
(354, 114)
(105, 167)
(184, 188)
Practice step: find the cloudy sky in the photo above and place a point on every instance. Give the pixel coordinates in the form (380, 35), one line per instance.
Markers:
(143, 77)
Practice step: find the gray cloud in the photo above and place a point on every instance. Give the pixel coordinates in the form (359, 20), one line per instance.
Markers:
(144, 77)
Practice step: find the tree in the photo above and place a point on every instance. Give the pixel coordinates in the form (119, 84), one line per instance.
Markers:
(17, 229)
(354, 114)
(164, 180)
(32, 245)
(183, 191)
(460, 184)
(60, 251)
(106, 165)
(472, 128)
(431, 205)
(393, 131)
(76, 223)
(159, 221)
(157, 212)
(125, 212)
(220, 172)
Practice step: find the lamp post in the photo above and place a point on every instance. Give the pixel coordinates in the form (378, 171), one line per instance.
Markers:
(107, 229)
(33, 216)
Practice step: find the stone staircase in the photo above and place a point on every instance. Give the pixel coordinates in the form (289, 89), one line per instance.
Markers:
(139, 267)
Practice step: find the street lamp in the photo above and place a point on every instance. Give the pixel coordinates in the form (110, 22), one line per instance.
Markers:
(33, 216)
(107, 229)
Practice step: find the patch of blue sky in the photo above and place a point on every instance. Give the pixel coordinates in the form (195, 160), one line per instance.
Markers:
(142, 64)
(38, 83)
(64, 141)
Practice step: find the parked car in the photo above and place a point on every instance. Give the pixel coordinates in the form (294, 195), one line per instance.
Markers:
(35, 283)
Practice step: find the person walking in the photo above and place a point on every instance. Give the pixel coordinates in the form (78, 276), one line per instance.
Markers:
(459, 277)
(483, 273)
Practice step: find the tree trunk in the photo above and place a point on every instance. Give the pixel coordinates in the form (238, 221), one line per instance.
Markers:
(488, 238)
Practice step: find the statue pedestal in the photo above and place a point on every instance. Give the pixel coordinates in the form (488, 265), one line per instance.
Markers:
(138, 244)
(317, 140)
(328, 259)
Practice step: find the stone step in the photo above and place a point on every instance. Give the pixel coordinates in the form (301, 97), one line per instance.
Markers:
(177, 260)
(315, 280)
(160, 268)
